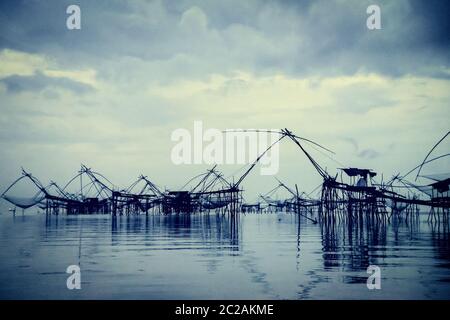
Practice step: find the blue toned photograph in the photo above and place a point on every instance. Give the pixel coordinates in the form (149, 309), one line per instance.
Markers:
(210, 152)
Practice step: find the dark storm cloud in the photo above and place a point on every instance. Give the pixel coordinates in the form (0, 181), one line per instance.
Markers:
(294, 37)
(339, 42)
(433, 16)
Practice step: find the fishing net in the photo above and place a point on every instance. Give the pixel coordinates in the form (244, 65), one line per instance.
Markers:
(214, 205)
(24, 202)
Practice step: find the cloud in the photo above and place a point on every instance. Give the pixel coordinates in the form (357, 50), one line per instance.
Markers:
(368, 154)
(194, 20)
(22, 71)
(86, 77)
(111, 93)
(299, 38)
(17, 63)
(39, 81)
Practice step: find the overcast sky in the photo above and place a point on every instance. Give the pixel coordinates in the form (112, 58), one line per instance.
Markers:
(109, 95)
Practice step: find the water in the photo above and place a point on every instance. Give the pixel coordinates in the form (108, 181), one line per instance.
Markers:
(264, 256)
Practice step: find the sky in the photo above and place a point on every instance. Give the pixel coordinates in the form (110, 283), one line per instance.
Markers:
(110, 94)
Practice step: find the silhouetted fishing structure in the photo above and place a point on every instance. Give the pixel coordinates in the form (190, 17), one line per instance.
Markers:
(96, 194)
(348, 195)
(360, 195)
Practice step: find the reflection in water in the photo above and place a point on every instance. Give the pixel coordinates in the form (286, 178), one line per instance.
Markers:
(271, 256)
(354, 244)
(207, 228)
(346, 243)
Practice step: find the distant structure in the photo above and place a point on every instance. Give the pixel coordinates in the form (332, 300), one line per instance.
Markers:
(354, 194)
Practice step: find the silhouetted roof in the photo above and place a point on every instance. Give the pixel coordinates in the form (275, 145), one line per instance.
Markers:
(352, 172)
(441, 186)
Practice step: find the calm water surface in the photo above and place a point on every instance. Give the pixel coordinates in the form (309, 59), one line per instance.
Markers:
(264, 256)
